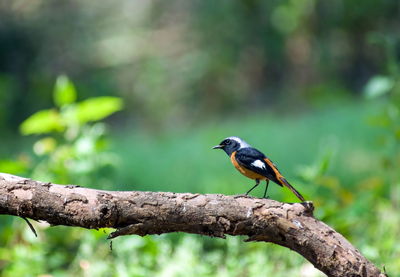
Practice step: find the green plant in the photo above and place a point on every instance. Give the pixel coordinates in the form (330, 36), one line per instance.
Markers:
(387, 86)
(73, 148)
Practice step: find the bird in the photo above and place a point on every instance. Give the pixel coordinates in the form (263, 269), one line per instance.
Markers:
(253, 164)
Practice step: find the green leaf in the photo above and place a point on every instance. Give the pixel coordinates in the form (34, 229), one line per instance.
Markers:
(97, 108)
(44, 121)
(378, 86)
(64, 91)
(324, 163)
(13, 167)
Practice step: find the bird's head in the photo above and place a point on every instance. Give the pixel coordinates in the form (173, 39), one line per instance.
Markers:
(231, 144)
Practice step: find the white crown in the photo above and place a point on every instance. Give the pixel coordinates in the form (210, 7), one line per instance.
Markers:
(241, 142)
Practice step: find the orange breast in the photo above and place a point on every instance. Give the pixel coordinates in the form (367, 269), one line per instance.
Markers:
(246, 172)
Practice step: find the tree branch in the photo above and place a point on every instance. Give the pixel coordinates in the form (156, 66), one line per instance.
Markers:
(145, 213)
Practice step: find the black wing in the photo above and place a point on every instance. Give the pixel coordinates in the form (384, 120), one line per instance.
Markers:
(247, 156)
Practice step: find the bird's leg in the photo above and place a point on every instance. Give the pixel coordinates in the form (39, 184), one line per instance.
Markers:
(257, 183)
(266, 188)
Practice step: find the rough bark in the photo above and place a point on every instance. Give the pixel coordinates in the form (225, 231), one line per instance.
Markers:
(145, 213)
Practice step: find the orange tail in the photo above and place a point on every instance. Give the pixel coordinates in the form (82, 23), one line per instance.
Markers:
(289, 186)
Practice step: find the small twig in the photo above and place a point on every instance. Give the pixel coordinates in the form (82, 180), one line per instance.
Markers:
(30, 225)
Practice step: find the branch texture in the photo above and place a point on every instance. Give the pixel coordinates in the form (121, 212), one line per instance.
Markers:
(145, 213)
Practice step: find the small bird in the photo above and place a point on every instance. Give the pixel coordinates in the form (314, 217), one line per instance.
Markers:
(254, 164)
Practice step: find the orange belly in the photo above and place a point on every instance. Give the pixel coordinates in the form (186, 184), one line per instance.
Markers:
(246, 172)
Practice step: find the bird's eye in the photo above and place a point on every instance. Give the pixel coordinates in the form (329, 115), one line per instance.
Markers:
(226, 142)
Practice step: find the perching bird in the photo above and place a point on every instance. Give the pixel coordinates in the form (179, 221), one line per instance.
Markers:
(254, 164)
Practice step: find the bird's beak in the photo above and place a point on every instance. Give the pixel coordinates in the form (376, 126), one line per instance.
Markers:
(217, 147)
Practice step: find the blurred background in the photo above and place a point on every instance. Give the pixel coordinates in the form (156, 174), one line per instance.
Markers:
(132, 95)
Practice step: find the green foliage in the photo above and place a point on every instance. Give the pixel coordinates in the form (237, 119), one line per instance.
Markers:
(71, 115)
(74, 150)
(95, 109)
(42, 122)
(389, 117)
(222, 57)
(80, 150)
(19, 166)
(309, 173)
(148, 256)
(64, 91)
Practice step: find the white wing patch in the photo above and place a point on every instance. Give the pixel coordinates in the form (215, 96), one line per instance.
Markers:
(258, 163)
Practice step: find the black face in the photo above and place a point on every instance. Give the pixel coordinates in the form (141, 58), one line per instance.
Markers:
(228, 145)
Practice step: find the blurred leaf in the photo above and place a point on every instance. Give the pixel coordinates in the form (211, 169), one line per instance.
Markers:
(13, 167)
(285, 19)
(97, 108)
(307, 172)
(381, 120)
(371, 183)
(392, 112)
(310, 173)
(44, 121)
(44, 146)
(346, 196)
(397, 134)
(331, 182)
(324, 163)
(378, 86)
(64, 91)
(85, 145)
